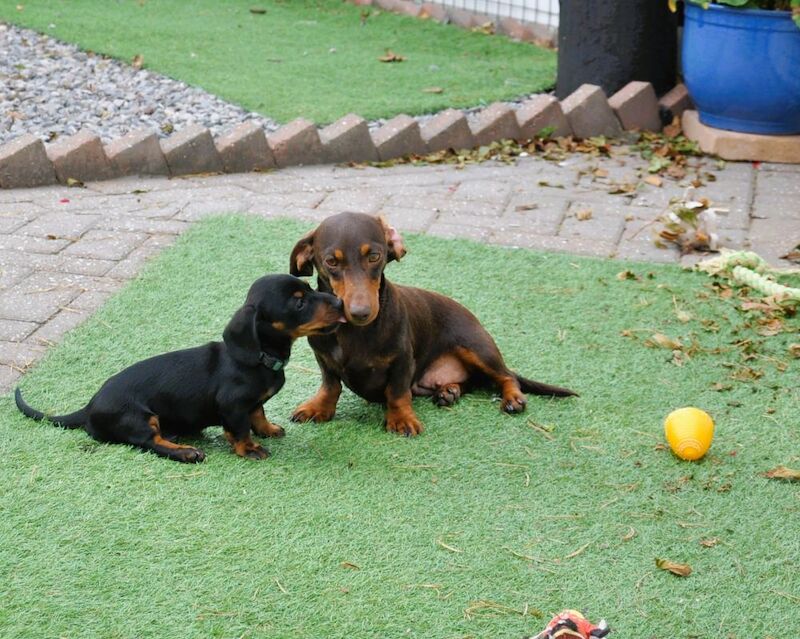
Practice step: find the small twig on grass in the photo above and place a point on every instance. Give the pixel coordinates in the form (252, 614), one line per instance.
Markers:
(788, 596)
(579, 551)
(280, 587)
(485, 608)
(448, 547)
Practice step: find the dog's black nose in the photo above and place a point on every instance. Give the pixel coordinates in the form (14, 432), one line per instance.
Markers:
(360, 313)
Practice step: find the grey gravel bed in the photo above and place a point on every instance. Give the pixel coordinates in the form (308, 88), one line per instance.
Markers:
(50, 89)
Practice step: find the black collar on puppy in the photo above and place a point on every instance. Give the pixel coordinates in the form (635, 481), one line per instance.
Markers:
(272, 363)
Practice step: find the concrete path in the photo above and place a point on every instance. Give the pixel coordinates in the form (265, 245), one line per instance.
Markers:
(63, 251)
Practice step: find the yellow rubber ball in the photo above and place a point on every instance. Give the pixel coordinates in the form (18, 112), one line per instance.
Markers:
(689, 432)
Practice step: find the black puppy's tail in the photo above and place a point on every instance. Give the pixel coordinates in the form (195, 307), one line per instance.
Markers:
(539, 388)
(73, 420)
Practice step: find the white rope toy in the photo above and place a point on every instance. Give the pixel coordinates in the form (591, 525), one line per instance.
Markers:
(750, 269)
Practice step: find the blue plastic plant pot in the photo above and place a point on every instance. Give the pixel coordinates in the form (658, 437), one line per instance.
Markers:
(742, 68)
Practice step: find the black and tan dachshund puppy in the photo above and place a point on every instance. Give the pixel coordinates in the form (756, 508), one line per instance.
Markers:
(225, 383)
(399, 341)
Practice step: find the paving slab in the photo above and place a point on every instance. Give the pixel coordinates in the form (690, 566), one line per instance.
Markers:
(107, 232)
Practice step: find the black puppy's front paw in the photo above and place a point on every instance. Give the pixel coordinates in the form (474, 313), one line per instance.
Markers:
(190, 455)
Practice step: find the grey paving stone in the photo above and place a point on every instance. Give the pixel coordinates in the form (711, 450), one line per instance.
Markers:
(24, 163)
(15, 330)
(106, 245)
(142, 224)
(79, 265)
(190, 151)
(407, 219)
(33, 304)
(135, 262)
(348, 140)
(541, 220)
(90, 300)
(637, 244)
(454, 231)
(483, 190)
(32, 244)
(10, 223)
(197, 210)
(578, 245)
(8, 378)
(19, 355)
(59, 226)
(361, 201)
(244, 148)
(63, 322)
(80, 157)
(589, 113)
(602, 225)
(446, 206)
(12, 271)
(137, 153)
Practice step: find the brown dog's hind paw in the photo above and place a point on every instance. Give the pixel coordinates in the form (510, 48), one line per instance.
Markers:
(447, 395)
(514, 402)
(312, 412)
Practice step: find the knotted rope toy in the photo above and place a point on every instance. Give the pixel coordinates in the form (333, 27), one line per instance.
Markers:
(571, 624)
(750, 269)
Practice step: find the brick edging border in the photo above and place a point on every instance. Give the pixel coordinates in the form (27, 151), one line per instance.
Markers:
(27, 162)
(531, 32)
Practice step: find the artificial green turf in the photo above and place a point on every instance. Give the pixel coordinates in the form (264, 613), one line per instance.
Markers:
(302, 58)
(343, 531)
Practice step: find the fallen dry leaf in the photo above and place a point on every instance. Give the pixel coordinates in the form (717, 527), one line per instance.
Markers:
(659, 339)
(630, 534)
(720, 387)
(682, 570)
(627, 275)
(654, 180)
(526, 207)
(391, 56)
(350, 565)
(433, 90)
(794, 350)
(583, 215)
(74, 182)
(709, 543)
(793, 255)
(782, 472)
(138, 61)
(258, 10)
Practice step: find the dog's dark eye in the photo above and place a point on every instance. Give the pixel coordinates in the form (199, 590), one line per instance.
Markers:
(374, 257)
(331, 262)
(301, 303)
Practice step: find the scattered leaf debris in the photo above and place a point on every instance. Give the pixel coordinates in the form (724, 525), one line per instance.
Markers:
(784, 473)
(682, 570)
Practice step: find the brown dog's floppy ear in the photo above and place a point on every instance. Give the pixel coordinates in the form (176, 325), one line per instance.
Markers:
(393, 240)
(240, 336)
(302, 261)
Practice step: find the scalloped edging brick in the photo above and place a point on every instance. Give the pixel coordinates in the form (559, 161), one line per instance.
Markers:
(27, 162)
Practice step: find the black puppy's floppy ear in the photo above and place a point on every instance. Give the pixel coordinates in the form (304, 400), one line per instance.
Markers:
(302, 261)
(240, 336)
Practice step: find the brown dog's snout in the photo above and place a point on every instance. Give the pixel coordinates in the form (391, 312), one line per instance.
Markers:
(360, 313)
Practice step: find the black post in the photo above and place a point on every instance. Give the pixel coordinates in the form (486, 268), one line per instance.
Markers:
(611, 42)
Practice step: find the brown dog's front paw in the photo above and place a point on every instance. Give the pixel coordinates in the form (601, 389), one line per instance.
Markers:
(313, 412)
(405, 423)
(513, 402)
(247, 448)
